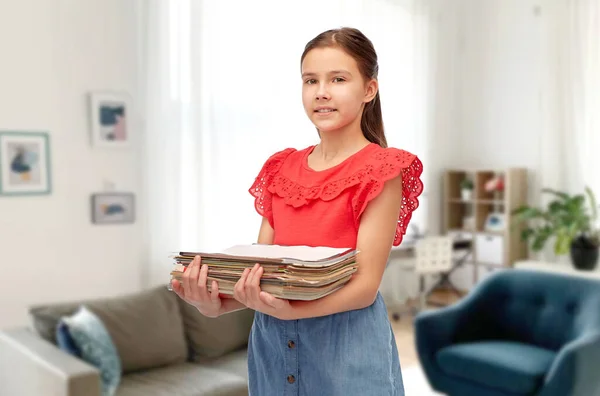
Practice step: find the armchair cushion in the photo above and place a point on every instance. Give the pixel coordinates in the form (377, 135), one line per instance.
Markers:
(546, 323)
(504, 365)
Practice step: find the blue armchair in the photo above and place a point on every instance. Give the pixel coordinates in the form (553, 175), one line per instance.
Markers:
(517, 333)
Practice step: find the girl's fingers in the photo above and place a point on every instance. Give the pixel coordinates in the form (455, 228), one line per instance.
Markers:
(214, 292)
(248, 282)
(239, 289)
(253, 283)
(193, 280)
(251, 275)
(178, 288)
(268, 299)
(201, 283)
(186, 278)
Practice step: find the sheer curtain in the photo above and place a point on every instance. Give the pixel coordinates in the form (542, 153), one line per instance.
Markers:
(580, 91)
(222, 92)
(571, 106)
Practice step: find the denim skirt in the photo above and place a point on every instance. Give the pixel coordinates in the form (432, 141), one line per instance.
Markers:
(344, 354)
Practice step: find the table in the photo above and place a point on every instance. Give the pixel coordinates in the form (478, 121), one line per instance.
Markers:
(401, 282)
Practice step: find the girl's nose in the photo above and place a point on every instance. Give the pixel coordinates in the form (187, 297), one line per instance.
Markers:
(322, 94)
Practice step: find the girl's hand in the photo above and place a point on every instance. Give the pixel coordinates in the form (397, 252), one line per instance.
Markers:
(193, 289)
(247, 291)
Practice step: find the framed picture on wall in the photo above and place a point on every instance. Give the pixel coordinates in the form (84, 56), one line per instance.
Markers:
(113, 208)
(24, 163)
(110, 119)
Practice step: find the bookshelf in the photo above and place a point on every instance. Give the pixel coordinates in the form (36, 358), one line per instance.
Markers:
(483, 216)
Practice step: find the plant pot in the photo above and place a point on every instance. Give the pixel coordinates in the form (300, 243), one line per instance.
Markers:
(584, 254)
(466, 194)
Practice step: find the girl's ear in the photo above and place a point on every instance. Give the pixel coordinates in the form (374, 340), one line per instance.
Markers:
(371, 90)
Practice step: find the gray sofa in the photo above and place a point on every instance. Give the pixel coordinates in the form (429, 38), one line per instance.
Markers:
(166, 347)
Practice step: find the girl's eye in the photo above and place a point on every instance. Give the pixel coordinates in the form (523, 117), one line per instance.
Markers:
(338, 79)
(311, 81)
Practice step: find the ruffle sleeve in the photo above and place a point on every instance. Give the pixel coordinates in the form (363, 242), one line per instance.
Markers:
(386, 165)
(260, 188)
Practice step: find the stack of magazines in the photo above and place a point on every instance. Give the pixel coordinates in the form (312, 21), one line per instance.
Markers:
(290, 272)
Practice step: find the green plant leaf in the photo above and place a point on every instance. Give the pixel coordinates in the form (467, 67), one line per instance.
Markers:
(541, 237)
(527, 233)
(560, 194)
(593, 203)
(527, 213)
(565, 217)
(562, 244)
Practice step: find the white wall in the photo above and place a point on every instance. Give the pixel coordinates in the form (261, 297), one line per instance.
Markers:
(507, 54)
(53, 52)
(495, 94)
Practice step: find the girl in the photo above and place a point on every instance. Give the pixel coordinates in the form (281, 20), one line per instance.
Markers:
(348, 191)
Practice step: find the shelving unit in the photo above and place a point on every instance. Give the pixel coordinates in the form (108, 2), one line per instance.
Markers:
(469, 218)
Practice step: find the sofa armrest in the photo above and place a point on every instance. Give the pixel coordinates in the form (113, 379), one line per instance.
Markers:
(574, 371)
(30, 365)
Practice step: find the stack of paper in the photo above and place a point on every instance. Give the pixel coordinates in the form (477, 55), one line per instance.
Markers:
(290, 272)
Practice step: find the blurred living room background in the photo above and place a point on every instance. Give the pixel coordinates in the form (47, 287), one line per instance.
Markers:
(144, 123)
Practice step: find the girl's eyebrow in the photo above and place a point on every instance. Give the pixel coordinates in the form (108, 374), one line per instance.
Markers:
(341, 71)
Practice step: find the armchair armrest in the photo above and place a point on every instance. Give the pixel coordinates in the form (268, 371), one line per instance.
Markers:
(574, 372)
(437, 329)
(29, 365)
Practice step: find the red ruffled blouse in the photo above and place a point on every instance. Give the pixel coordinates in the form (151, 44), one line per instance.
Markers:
(323, 208)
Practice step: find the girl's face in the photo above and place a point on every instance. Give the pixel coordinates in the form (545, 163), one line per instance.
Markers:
(333, 89)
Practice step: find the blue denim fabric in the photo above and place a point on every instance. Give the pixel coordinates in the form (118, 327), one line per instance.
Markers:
(344, 354)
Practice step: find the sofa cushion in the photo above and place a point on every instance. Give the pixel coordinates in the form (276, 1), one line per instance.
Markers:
(234, 362)
(146, 327)
(186, 379)
(214, 337)
(95, 346)
(507, 366)
(65, 340)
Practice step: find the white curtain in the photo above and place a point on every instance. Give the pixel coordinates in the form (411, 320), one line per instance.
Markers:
(580, 91)
(222, 92)
(571, 139)
(571, 107)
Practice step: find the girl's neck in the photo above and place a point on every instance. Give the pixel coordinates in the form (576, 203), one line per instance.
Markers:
(340, 143)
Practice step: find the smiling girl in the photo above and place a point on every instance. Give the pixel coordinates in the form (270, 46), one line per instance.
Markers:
(348, 191)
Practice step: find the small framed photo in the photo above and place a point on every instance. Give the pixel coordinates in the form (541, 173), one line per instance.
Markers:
(110, 119)
(24, 163)
(113, 208)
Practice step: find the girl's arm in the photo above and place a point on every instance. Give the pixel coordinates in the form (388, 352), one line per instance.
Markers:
(375, 237)
(265, 236)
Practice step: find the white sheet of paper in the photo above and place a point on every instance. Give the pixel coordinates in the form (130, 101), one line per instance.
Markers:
(305, 253)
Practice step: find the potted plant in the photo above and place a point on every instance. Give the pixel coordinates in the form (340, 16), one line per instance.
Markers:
(466, 189)
(570, 221)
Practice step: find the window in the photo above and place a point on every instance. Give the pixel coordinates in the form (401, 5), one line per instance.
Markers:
(235, 75)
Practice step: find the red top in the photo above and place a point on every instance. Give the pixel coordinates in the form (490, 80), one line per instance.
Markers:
(323, 208)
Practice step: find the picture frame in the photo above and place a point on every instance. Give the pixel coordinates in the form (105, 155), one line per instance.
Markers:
(25, 163)
(110, 119)
(113, 208)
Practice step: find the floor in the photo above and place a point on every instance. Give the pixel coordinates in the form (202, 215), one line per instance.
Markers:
(403, 327)
(414, 380)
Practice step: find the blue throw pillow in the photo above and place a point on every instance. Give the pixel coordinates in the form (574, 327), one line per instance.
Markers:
(84, 333)
(65, 341)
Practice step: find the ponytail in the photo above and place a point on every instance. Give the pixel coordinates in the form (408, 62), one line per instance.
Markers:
(371, 122)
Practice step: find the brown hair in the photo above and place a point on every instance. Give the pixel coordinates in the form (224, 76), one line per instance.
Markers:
(358, 46)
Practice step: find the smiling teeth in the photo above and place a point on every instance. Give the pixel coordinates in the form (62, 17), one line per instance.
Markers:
(325, 111)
